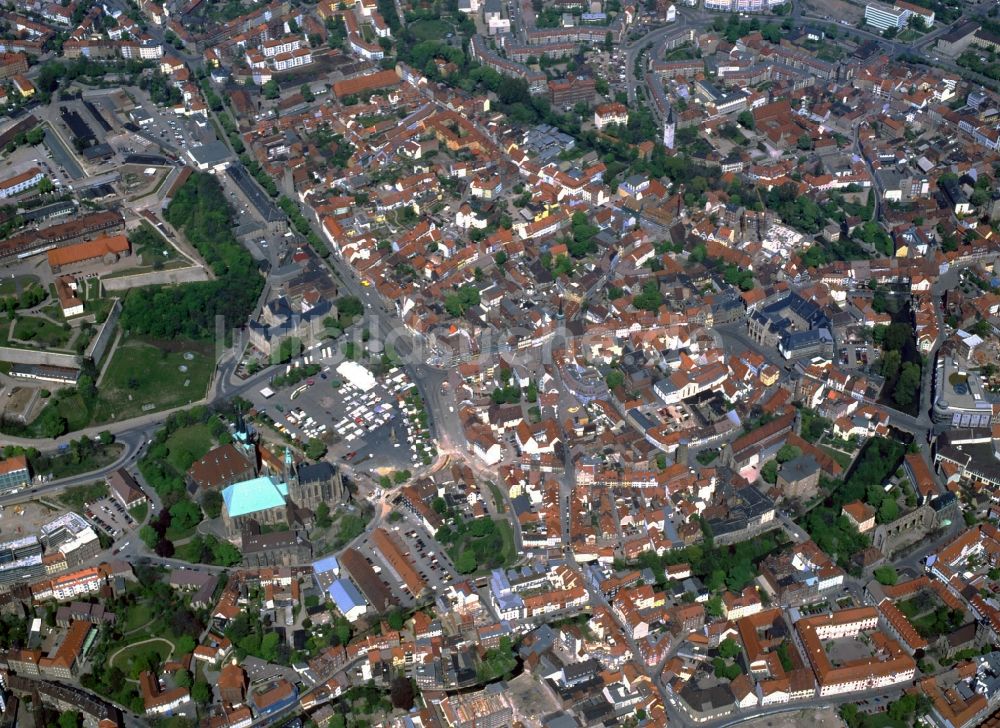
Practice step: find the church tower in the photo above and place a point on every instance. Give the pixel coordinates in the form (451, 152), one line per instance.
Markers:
(668, 129)
(288, 473)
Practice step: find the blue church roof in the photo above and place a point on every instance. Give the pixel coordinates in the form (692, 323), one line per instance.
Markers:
(253, 496)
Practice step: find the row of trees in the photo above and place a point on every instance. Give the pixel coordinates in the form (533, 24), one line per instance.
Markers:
(52, 73)
(302, 226)
(31, 138)
(902, 378)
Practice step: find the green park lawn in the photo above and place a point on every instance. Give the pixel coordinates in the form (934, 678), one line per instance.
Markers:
(17, 285)
(40, 331)
(187, 445)
(498, 500)
(160, 645)
(508, 554)
(73, 408)
(143, 372)
(430, 29)
(137, 616)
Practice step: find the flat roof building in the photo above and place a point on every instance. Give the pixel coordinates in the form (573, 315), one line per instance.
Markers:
(884, 17)
(213, 156)
(14, 473)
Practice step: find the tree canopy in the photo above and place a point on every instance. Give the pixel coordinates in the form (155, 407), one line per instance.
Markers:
(650, 299)
(460, 300)
(200, 210)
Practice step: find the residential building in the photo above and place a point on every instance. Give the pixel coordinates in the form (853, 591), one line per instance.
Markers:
(20, 182)
(63, 663)
(611, 113)
(232, 684)
(158, 701)
(892, 666)
(276, 699)
(861, 515)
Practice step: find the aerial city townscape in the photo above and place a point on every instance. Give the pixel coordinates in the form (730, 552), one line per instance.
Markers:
(487, 363)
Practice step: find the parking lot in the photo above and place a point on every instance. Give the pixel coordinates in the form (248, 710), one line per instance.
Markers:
(168, 128)
(110, 516)
(434, 566)
(23, 158)
(369, 428)
(177, 132)
(395, 587)
(365, 412)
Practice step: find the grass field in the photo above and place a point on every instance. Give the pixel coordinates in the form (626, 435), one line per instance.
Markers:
(138, 615)
(94, 301)
(842, 458)
(187, 445)
(91, 288)
(139, 512)
(40, 331)
(74, 410)
(882, 720)
(161, 646)
(920, 603)
(15, 286)
(145, 372)
(431, 29)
